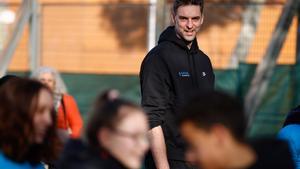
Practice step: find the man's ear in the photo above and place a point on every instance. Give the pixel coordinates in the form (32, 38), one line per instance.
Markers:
(202, 19)
(221, 134)
(173, 15)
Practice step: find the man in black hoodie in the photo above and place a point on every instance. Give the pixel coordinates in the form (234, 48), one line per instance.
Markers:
(169, 71)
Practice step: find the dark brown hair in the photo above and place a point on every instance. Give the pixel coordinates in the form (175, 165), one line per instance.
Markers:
(18, 103)
(207, 109)
(106, 113)
(178, 3)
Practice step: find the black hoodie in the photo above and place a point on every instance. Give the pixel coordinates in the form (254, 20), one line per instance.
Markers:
(168, 73)
(80, 155)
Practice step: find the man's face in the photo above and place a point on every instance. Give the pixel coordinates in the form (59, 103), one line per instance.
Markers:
(188, 20)
(203, 147)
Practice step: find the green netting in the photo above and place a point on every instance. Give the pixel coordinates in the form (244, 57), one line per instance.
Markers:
(282, 94)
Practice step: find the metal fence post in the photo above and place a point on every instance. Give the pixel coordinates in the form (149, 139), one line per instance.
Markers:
(13, 39)
(34, 28)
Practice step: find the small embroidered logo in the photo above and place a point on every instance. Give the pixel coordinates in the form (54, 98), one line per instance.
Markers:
(203, 74)
(184, 74)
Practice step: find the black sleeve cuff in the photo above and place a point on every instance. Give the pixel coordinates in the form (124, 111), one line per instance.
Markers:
(155, 123)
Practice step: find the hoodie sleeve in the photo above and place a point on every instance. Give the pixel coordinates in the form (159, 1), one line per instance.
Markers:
(155, 89)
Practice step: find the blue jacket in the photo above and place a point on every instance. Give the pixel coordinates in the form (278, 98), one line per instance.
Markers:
(291, 133)
(6, 163)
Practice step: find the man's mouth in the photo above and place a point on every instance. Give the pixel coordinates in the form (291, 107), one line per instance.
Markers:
(189, 32)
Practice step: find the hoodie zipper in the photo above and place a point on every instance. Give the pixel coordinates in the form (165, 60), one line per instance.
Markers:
(191, 62)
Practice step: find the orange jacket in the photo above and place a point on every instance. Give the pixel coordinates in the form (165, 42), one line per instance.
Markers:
(74, 120)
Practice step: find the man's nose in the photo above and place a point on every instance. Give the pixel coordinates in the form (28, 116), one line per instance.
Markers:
(189, 23)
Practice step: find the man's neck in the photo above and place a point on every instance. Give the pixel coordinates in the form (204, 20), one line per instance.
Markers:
(187, 43)
(240, 155)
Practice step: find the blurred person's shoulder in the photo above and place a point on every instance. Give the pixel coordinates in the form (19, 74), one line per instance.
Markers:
(67, 96)
(6, 163)
(77, 154)
(69, 99)
(271, 153)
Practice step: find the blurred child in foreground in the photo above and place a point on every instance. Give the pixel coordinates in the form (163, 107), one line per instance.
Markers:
(214, 126)
(28, 125)
(116, 138)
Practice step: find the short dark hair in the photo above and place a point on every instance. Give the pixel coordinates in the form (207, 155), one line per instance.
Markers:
(105, 113)
(18, 103)
(178, 3)
(206, 109)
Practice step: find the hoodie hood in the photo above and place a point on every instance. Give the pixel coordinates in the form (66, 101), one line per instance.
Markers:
(169, 35)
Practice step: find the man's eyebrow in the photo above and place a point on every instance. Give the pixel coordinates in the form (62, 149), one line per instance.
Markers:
(185, 17)
(182, 17)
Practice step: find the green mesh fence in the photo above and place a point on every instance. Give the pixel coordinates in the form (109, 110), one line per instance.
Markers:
(282, 95)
